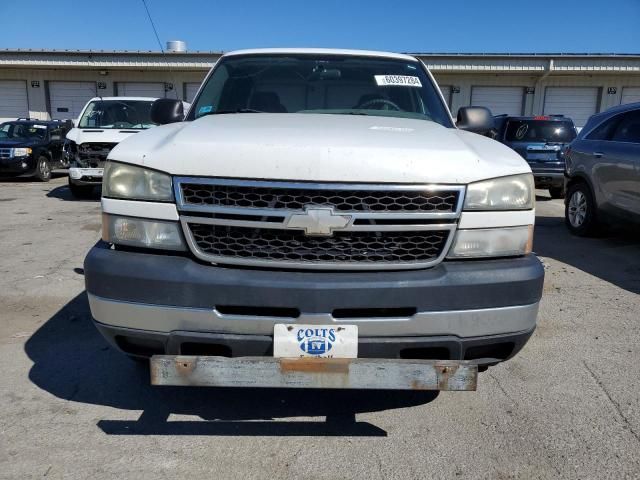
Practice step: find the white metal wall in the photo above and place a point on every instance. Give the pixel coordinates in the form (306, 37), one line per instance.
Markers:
(141, 89)
(630, 95)
(13, 99)
(615, 87)
(446, 93)
(67, 99)
(37, 80)
(500, 100)
(190, 90)
(578, 103)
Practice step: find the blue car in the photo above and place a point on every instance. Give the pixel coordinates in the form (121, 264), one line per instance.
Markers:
(542, 142)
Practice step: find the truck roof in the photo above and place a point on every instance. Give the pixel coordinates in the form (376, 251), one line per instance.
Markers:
(321, 51)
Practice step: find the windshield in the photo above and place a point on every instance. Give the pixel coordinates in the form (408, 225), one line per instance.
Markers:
(117, 114)
(22, 131)
(333, 84)
(540, 131)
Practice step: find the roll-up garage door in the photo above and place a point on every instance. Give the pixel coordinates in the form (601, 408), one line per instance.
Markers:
(68, 98)
(190, 90)
(141, 89)
(446, 93)
(500, 100)
(630, 95)
(13, 99)
(578, 103)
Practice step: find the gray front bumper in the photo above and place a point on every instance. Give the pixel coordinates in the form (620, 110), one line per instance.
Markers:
(171, 299)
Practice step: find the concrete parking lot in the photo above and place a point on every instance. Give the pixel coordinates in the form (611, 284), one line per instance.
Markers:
(568, 406)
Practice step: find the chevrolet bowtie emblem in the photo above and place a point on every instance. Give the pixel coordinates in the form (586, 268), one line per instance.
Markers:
(318, 221)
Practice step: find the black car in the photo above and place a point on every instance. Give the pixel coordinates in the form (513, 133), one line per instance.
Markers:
(32, 148)
(542, 142)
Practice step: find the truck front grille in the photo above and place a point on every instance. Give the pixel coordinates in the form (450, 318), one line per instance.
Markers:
(94, 154)
(5, 153)
(297, 198)
(295, 246)
(317, 226)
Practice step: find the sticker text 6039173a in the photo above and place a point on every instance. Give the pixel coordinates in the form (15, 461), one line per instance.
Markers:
(397, 80)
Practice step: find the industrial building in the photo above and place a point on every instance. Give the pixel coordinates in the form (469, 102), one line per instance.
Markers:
(56, 84)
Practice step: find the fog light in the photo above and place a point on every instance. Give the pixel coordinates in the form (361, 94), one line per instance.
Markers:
(24, 164)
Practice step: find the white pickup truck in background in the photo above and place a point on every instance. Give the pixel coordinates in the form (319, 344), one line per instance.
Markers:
(316, 220)
(103, 123)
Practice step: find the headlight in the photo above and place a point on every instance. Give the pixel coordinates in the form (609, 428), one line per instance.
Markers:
(492, 242)
(126, 181)
(21, 152)
(137, 232)
(505, 193)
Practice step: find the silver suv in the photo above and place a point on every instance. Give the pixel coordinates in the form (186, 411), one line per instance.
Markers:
(603, 171)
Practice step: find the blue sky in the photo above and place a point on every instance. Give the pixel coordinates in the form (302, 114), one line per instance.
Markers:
(407, 25)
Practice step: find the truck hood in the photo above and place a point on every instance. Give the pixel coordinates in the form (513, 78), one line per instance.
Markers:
(100, 135)
(320, 147)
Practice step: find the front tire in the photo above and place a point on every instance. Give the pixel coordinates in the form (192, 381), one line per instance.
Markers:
(80, 191)
(43, 169)
(580, 211)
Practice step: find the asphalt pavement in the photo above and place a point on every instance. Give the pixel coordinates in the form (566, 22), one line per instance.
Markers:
(568, 406)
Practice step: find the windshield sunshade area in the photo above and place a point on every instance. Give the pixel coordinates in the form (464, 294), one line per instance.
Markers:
(330, 84)
(21, 131)
(117, 114)
(539, 131)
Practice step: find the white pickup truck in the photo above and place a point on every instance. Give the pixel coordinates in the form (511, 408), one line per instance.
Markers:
(316, 220)
(103, 123)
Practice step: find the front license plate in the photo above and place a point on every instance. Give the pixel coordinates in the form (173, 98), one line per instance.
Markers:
(319, 341)
(91, 172)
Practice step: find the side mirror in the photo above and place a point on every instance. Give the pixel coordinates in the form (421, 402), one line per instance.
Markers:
(166, 110)
(475, 119)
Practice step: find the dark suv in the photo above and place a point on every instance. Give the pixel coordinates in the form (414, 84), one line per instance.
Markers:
(32, 148)
(603, 171)
(541, 141)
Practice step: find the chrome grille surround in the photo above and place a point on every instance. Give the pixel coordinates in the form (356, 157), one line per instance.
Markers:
(349, 247)
(6, 153)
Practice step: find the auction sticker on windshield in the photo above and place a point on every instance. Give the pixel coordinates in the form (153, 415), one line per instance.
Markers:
(320, 341)
(397, 80)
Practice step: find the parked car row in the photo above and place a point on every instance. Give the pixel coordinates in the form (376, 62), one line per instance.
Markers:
(33, 148)
(598, 169)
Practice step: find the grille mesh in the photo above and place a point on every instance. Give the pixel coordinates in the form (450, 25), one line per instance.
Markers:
(291, 245)
(340, 200)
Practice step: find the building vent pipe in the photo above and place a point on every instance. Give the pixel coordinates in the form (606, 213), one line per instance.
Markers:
(176, 46)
